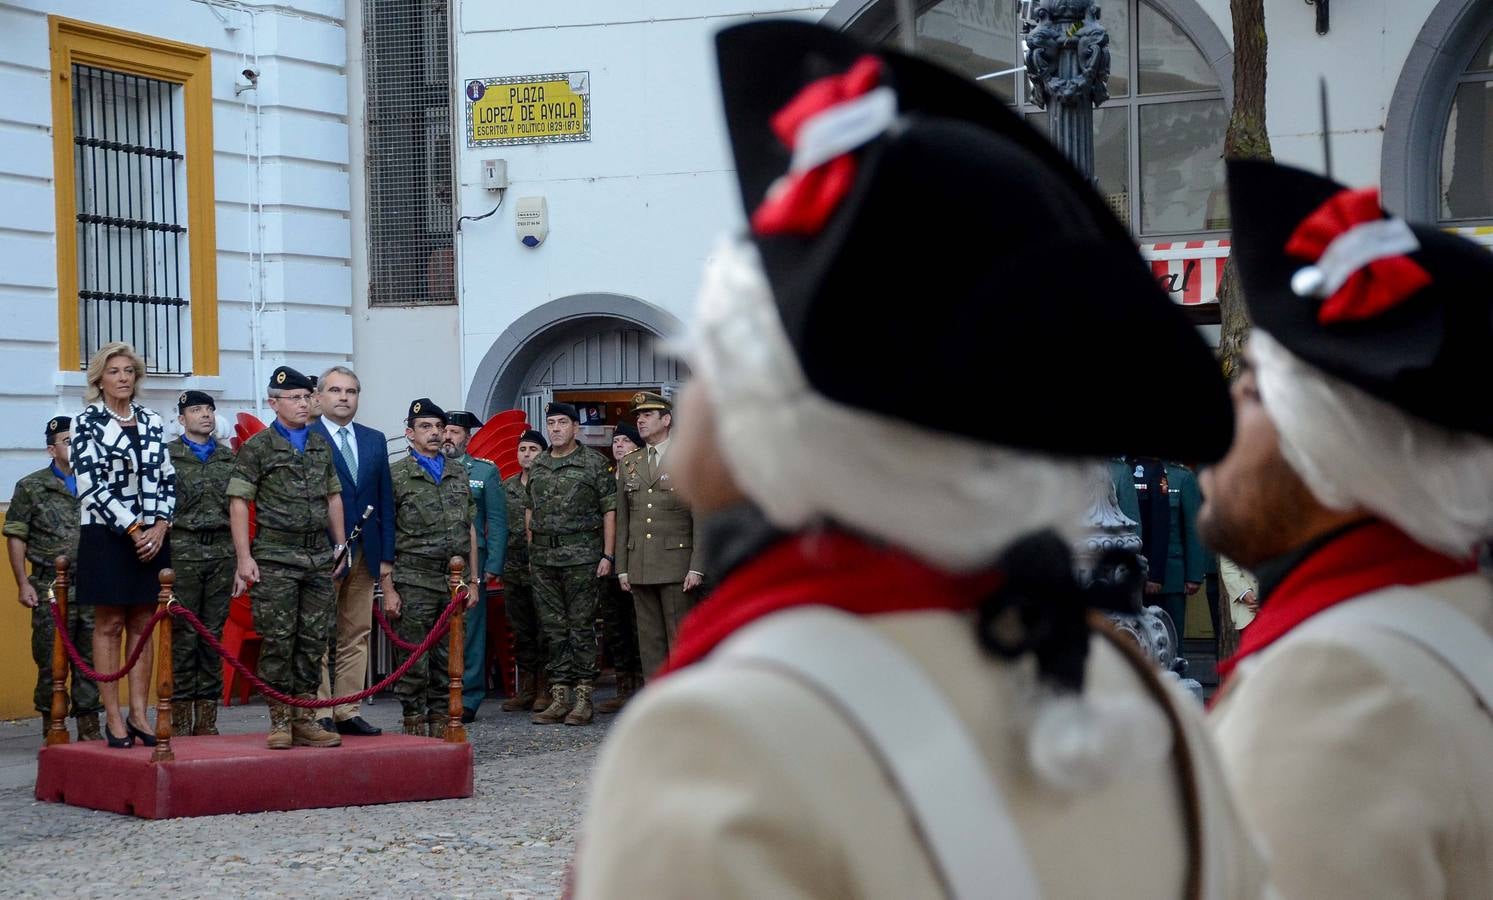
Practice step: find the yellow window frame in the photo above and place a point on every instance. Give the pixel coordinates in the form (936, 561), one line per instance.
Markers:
(151, 57)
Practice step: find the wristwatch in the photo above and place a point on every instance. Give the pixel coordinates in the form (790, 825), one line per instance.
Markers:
(609, 558)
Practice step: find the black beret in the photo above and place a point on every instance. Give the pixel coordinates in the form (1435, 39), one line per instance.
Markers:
(463, 419)
(285, 378)
(562, 409)
(630, 433)
(194, 398)
(533, 437)
(424, 408)
(57, 425)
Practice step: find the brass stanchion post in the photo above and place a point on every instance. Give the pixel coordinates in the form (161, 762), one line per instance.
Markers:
(57, 730)
(164, 683)
(456, 732)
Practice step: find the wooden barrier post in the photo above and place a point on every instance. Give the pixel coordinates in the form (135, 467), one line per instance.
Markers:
(456, 732)
(57, 730)
(164, 682)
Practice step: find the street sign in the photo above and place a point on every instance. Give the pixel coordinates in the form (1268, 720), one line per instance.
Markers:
(528, 109)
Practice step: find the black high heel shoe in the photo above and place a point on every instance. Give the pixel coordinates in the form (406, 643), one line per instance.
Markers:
(145, 738)
(120, 743)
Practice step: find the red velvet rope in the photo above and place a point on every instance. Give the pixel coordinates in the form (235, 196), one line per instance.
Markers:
(82, 665)
(388, 630)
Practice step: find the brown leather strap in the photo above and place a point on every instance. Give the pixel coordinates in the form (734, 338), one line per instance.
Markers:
(1182, 763)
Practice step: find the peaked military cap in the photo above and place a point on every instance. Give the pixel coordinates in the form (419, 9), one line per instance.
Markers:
(57, 425)
(629, 432)
(952, 203)
(644, 400)
(557, 408)
(1409, 319)
(285, 378)
(463, 419)
(194, 398)
(533, 437)
(424, 408)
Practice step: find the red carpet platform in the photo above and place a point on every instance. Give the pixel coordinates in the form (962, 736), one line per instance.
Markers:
(238, 774)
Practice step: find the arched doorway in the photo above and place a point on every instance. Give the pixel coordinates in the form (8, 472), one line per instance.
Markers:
(595, 350)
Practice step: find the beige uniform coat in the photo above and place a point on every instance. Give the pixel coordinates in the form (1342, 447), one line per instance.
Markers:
(657, 541)
(728, 781)
(1363, 763)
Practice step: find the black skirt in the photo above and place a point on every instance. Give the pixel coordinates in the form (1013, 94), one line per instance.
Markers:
(109, 573)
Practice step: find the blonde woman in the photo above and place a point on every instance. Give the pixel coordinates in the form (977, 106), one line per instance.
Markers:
(127, 491)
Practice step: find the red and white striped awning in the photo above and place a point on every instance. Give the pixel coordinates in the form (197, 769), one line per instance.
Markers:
(1191, 271)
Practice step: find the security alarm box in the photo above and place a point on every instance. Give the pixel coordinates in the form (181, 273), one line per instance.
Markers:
(532, 219)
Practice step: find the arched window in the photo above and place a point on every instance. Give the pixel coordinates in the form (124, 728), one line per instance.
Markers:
(1158, 139)
(1466, 185)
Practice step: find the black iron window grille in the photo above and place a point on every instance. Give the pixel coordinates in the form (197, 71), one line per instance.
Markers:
(131, 203)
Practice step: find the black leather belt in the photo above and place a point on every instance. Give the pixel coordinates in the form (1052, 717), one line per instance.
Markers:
(309, 540)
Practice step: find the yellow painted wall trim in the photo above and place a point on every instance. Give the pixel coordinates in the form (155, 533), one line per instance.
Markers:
(88, 44)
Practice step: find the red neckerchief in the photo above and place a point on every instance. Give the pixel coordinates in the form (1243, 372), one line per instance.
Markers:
(1374, 556)
(824, 569)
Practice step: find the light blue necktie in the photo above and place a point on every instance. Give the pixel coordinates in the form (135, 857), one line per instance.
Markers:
(347, 453)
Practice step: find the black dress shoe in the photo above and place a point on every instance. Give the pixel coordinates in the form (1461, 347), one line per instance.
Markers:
(327, 724)
(468, 716)
(359, 726)
(144, 737)
(120, 743)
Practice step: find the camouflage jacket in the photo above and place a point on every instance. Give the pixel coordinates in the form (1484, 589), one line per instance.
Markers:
(569, 498)
(289, 491)
(45, 516)
(432, 522)
(517, 495)
(200, 529)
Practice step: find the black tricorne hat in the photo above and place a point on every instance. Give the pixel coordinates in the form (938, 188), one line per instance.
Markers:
(533, 437)
(1422, 351)
(463, 419)
(194, 398)
(424, 408)
(969, 246)
(557, 408)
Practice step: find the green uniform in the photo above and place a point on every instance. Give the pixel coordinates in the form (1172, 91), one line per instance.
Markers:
(1186, 561)
(491, 523)
(44, 514)
(1122, 474)
(518, 585)
(202, 555)
(432, 523)
(568, 498)
(294, 599)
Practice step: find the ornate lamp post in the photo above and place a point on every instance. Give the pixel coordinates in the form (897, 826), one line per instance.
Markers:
(1067, 60)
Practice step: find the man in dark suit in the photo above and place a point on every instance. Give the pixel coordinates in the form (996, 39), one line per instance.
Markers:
(362, 459)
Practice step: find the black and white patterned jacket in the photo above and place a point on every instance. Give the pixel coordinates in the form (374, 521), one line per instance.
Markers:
(115, 488)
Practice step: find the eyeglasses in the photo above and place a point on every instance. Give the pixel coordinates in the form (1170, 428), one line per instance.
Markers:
(294, 398)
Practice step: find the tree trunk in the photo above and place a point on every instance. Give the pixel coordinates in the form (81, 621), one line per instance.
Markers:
(1246, 138)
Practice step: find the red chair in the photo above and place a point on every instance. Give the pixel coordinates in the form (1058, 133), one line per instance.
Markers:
(241, 640)
(500, 644)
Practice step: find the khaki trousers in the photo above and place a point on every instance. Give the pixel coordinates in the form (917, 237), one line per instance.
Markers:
(354, 622)
(659, 608)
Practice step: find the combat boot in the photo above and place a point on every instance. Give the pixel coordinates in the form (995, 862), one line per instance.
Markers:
(524, 697)
(580, 714)
(205, 721)
(542, 696)
(279, 738)
(436, 723)
(181, 718)
(306, 731)
(627, 685)
(88, 727)
(416, 726)
(558, 709)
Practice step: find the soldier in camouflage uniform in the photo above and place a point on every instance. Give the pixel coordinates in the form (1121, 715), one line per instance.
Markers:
(571, 518)
(286, 471)
(41, 525)
(433, 514)
(202, 555)
(518, 587)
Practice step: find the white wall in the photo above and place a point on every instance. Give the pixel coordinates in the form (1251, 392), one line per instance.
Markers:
(299, 174)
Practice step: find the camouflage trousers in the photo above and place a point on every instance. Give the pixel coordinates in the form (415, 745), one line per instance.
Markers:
(84, 693)
(426, 687)
(566, 598)
(620, 628)
(523, 618)
(292, 607)
(203, 586)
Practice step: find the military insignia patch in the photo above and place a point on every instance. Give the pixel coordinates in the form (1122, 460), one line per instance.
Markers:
(52, 425)
(639, 397)
(279, 378)
(182, 400)
(416, 407)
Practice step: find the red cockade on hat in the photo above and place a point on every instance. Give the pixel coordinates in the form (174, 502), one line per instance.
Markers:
(1359, 258)
(822, 125)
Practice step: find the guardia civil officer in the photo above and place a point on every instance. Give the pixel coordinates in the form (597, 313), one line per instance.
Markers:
(1354, 719)
(491, 523)
(894, 689)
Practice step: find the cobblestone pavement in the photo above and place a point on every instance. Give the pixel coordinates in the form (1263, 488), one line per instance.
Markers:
(513, 838)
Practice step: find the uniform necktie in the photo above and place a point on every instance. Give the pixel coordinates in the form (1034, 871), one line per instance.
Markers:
(347, 453)
(652, 463)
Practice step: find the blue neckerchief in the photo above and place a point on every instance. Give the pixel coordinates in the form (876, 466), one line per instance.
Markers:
(203, 451)
(296, 437)
(435, 465)
(70, 480)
